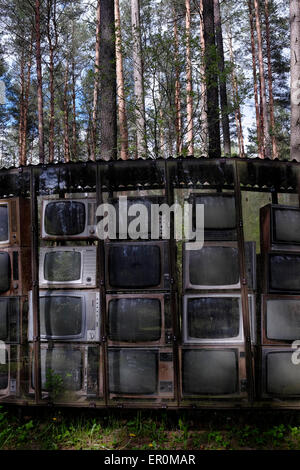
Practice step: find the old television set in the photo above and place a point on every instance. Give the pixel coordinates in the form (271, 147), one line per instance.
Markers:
(219, 215)
(15, 271)
(68, 219)
(216, 266)
(282, 273)
(139, 319)
(280, 319)
(76, 368)
(126, 219)
(216, 319)
(280, 227)
(145, 373)
(67, 315)
(13, 318)
(280, 375)
(137, 265)
(65, 267)
(212, 371)
(9, 370)
(15, 225)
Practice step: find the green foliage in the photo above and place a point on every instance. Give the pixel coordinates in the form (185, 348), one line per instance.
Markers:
(139, 430)
(54, 384)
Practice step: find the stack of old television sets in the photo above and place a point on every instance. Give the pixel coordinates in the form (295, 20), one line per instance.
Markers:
(69, 302)
(280, 312)
(212, 355)
(139, 323)
(15, 281)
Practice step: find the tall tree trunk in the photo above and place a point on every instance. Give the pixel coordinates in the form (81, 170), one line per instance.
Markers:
(51, 17)
(263, 104)
(26, 104)
(222, 79)
(237, 110)
(204, 123)
(214, 144)
(270, 82)
(96, 86)
(21, 106)
(52, 106)
(189, 84)
(120, 86)
(39, 82)
(74, 126)
(138, 80)
(108, 89)
(66, 116)
(178, 125)
(253, 50)
(295, 79)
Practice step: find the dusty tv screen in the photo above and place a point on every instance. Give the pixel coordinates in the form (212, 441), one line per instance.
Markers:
(210, 372)
(62, 266)
(134, 320)
(4, 231)
(214, 266)
(213, 318)
(133, 372)
(61, 316)
(65, 218)
(287, 225)
(5, 272)
(133, 266)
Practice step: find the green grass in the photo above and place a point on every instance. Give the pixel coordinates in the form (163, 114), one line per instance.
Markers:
(139, 430)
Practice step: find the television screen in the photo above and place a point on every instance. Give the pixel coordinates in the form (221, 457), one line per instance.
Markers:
(282, 376)
(65, 218)
(219, 211)
(134, 320)
(213, 317)
(62, 266)
(283, 319)
(61, 316)
(209, 372)
(214, 266)
(4, 372)
(285, 272)
(4, 325)
(286, 225)
(63, 366)
(4, 233)
(134, 266)
(133, 371)
(144, 201)
(9, 319)
(5, 272)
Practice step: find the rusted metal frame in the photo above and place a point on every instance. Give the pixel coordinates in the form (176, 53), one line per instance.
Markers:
(102, 290)
(274, 195)
(35, 284)
(244, 287)
(169, 193)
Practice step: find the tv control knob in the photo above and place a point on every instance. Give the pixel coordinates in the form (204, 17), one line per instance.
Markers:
(88, 279)
(15, 286)
(92, 231)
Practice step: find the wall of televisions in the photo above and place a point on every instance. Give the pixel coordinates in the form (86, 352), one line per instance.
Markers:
(147, 323)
